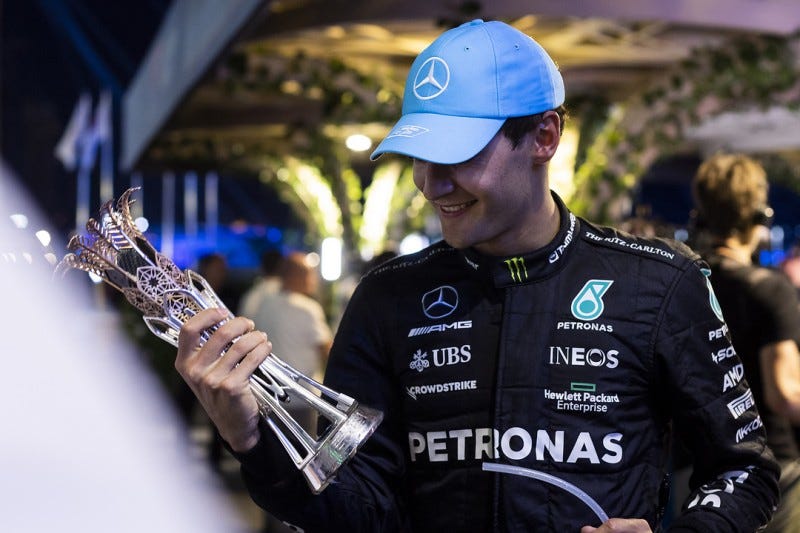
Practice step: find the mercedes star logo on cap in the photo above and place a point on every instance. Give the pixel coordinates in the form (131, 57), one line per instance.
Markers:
(432, 78)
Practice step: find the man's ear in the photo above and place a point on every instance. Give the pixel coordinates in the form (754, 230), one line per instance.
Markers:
(546, 137)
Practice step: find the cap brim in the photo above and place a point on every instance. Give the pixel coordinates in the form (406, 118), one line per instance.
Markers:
(437, 138)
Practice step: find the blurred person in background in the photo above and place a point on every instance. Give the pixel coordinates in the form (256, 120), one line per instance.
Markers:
(267, 282)
(214, 268)
(296, 323)
(299, 333)
(791, 266)
(760, 308)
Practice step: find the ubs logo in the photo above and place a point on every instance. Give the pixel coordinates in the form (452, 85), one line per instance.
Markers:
(440, 302)
(432, 78)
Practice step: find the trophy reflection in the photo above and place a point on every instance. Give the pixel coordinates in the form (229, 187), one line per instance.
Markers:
(122, 257)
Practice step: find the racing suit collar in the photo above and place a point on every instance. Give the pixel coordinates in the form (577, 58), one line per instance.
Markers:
(525, 268)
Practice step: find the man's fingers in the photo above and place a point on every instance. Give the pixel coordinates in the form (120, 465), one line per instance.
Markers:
(246, 353)
(221, 339)
(191, 332)
(620, 525)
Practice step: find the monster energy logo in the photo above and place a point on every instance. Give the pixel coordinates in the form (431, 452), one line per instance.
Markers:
(516, 267)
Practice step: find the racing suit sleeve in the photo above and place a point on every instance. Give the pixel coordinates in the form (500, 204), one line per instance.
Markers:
(734, 485)
(366, 494)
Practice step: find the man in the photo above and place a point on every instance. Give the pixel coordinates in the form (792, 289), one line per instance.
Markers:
(214, 268)
(295, 321)
(529, 366)
(267, 283)
(760, 307)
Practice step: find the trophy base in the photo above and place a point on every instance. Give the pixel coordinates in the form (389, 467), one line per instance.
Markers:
(342, 443)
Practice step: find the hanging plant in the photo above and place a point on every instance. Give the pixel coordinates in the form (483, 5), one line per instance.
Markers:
(748, 72)
(341, 95)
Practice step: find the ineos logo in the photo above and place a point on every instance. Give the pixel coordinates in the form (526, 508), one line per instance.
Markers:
(440, 302)
(432, 78)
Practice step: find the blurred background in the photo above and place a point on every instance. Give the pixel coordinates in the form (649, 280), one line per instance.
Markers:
(248, 124)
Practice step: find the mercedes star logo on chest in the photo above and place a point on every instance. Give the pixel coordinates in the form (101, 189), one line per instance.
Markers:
(440, 302)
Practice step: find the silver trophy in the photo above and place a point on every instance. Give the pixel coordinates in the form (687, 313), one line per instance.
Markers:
(121, 256)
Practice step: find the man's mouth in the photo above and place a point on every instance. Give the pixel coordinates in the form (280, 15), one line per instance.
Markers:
(455, 208)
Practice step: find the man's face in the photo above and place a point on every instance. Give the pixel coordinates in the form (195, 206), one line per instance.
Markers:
(486, 202)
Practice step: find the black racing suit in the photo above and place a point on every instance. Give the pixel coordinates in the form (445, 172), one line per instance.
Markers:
(535, 393)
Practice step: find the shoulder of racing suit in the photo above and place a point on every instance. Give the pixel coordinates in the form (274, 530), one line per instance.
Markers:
(661, 249)
(436, 251)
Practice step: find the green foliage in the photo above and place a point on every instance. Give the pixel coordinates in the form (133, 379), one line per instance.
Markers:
(749, 72)
(345, 96)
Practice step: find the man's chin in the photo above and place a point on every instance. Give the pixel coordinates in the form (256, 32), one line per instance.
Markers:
(456, 242)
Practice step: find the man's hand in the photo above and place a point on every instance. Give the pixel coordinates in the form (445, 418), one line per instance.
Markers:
(620, 525)
(222, 383)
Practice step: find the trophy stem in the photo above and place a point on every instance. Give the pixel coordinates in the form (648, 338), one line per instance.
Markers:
(275, 385)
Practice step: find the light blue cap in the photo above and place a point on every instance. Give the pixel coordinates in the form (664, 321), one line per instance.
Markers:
(462, 88)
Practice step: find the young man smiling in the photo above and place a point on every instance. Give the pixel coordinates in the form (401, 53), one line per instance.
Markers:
(531, 366)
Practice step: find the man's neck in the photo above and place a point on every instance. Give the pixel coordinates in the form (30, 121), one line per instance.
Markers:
(733, 248)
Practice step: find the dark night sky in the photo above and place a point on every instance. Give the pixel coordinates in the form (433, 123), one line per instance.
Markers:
(52, 50)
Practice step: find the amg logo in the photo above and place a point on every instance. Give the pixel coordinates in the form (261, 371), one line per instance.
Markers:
(743, 431)
(741, 404)
(424, 330)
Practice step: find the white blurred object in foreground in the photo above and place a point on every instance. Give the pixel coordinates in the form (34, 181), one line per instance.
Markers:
(90, 442)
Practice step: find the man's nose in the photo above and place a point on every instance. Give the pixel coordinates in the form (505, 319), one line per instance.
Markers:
(437, 179)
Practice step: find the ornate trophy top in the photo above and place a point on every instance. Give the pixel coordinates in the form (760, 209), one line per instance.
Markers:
(117, 252)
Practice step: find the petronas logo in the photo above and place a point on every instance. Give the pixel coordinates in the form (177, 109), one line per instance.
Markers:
(712, 298)
(588, 304)
(516, 267)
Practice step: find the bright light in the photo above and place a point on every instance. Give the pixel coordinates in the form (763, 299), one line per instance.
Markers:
(51, 258)
(316, 193)
(312, 259)
(776, 236)
(413, 242)
(19, 220)
(95, 278)
(43, 236)
(681, 235)
(142, 224)
(331, 259)
(562, 165)
(358, 142)
(377, 209)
